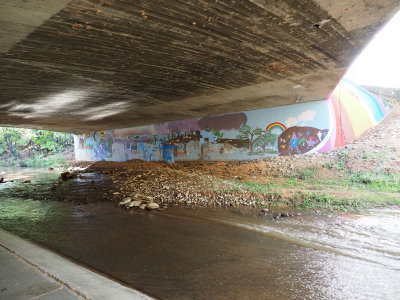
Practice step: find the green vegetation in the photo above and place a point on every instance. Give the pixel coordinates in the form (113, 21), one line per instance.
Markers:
(307, 173)
(377, 181)
(292, 182)
(256, 187)
(33, 148)
(349, 190)
(329, 202)
(341, 165)
(377, 154)
(327, 165)
(343, 155)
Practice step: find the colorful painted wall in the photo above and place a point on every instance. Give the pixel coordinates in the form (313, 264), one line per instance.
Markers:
(286, 130)
(353, 110)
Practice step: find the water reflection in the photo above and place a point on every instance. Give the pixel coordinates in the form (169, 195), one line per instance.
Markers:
(211, 253)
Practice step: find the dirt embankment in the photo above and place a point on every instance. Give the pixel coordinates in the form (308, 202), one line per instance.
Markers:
(368, 168)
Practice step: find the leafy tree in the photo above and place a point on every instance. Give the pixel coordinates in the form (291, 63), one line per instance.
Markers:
(18, 143)
(10, 140)
(50, 141)
(265, 139)
(252, 135)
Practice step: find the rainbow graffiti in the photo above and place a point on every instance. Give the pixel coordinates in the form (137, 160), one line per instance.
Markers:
(353, 110)
(276, 125)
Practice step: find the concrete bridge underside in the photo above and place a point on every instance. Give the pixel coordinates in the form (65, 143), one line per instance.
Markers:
(86, 65)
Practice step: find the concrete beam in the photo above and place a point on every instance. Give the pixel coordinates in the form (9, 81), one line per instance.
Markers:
(19, 18)
(97, 65)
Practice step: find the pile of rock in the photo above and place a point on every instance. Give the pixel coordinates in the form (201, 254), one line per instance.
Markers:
(140, 202)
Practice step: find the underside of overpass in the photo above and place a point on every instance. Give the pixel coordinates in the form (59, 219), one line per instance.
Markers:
(86, 65)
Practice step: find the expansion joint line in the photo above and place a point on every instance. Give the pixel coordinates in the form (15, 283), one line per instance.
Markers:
(66, 285)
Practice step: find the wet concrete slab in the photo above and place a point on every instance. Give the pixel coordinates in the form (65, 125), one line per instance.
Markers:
(31, 272)
(19, 280)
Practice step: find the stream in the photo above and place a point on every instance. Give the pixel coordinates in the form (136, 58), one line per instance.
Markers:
(206, 253)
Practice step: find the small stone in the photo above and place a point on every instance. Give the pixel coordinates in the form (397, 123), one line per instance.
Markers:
(143, 206)
(135, 203)
(148, 198)
(124, 202)
(264, 210)
(277, 216)
(64, 175)
(153, 206)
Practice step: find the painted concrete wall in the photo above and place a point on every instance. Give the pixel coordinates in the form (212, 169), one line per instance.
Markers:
(353, 110)
(286, 130)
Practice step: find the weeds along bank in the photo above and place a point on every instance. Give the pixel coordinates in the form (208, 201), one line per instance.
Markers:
(311, 127)
(34, 148)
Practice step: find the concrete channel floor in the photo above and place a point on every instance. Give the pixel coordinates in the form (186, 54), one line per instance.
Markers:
(31, 272)
(19, 280)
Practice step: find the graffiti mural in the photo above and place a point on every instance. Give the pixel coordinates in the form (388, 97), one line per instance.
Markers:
(287, 130)
(300, 140)
(352, 111)
(274, 125)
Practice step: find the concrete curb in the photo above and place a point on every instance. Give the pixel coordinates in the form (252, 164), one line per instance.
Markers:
(81, 281)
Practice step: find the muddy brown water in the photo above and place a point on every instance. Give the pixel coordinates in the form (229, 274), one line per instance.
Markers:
(184, 253)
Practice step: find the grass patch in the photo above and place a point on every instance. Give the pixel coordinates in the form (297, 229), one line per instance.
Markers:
(378, 154)
(327, 165)
(379, 200)
(378, 181)
(292, 182)
(325, 201)
(256, 187)
(341, 165)
(306, 174)
(275, 198)
(369, 189)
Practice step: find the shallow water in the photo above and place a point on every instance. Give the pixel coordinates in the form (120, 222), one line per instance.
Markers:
(183, 253)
